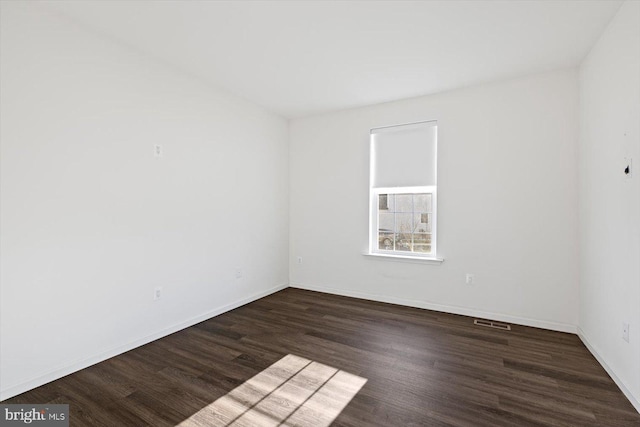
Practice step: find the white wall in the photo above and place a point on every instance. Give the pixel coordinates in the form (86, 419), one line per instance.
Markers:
(91, 222)
(609, 203)
(507, 203)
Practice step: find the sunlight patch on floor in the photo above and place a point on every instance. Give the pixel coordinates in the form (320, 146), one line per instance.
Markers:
(294, 391)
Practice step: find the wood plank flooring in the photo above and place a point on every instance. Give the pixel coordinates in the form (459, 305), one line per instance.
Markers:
(423, 368)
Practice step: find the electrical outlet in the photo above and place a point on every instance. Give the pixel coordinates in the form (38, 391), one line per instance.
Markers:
(157, 150)
(299, 260)
(470, 279)
(625, 332)
(157, 293)
(238, 274)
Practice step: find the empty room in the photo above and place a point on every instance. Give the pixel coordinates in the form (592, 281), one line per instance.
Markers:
(319, 213)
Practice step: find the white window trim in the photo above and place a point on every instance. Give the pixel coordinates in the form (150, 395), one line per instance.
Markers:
(404, 258)
(373, 251)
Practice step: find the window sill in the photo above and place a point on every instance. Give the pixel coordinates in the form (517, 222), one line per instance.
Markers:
(404, 258)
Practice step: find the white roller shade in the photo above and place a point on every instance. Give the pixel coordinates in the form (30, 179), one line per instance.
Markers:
(404, 156)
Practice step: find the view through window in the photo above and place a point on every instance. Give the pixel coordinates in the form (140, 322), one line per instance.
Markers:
(404, 222)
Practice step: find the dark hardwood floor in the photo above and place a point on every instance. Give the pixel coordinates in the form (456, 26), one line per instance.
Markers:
(423, 368)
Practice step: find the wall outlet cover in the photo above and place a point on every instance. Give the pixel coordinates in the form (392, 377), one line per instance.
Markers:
(157, 293)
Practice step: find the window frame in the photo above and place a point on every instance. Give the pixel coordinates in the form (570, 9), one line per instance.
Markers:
(374, 207)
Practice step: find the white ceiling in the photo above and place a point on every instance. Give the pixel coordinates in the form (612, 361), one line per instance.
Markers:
(299, 58)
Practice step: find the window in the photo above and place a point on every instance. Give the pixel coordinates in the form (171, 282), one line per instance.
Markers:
(403, 190)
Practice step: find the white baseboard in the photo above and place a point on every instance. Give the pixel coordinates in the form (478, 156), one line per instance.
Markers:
(543, 324)
(614, 377)
(92, 360)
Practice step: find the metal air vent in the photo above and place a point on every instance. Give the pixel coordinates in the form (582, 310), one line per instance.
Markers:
(492, 324)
